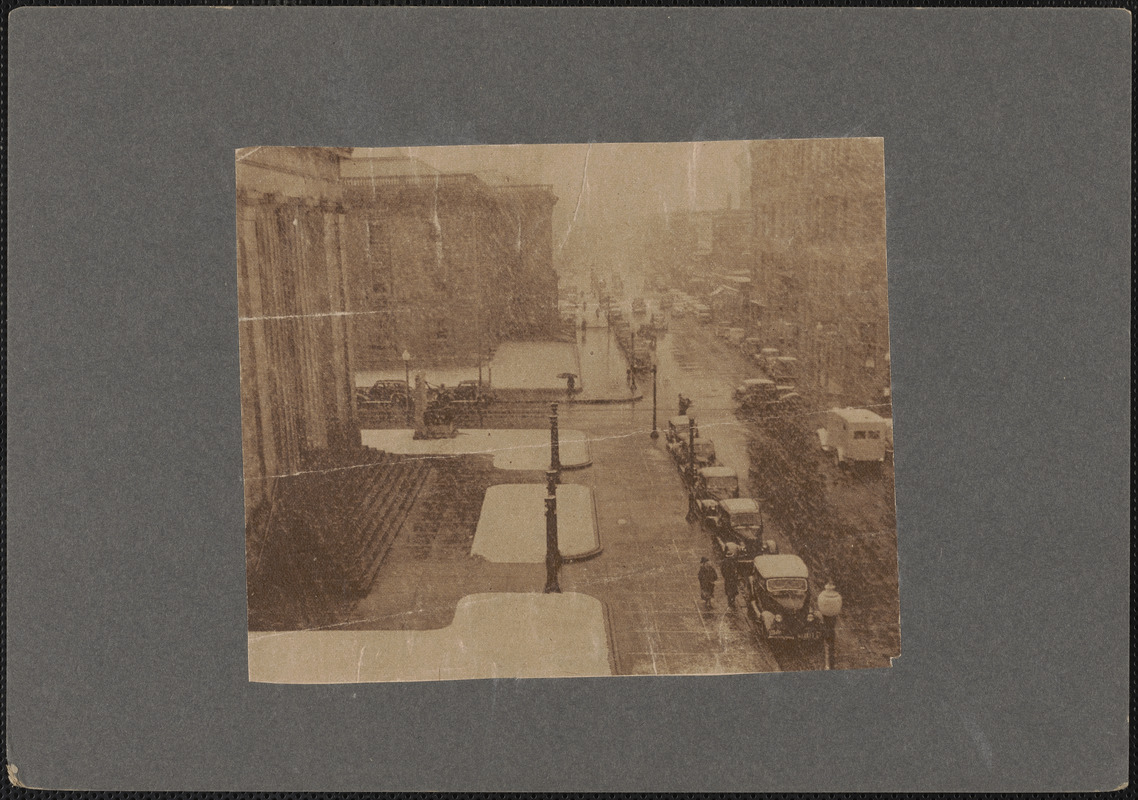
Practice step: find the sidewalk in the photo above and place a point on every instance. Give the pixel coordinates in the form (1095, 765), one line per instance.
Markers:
(514, 449)
(494, 635)
(604, 369)
(511, 527)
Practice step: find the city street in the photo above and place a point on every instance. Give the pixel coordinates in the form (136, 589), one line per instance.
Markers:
(645, 574)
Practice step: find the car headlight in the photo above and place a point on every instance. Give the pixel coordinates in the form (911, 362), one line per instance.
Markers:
(778, 617)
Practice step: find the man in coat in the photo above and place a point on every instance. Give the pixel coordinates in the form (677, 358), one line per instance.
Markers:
(730, 581)
(707, 578)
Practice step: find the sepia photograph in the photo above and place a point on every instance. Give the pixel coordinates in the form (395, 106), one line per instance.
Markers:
(566, 410)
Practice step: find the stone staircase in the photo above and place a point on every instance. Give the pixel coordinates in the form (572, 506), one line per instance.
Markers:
(327, 534)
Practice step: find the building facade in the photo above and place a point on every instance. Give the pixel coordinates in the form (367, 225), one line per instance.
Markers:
(819, 259)
(445, 267)
(296, 388)
(346, 262)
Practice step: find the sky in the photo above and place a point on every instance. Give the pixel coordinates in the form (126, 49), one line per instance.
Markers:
(605, 182)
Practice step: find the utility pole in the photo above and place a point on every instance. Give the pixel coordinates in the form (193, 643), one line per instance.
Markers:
(655, 433)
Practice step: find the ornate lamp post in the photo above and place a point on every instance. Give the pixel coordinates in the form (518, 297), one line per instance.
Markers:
(407, 379)
(554, 444)
(829, 606)
(552, 549)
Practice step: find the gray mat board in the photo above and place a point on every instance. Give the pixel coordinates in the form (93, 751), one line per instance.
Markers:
(1007, 155)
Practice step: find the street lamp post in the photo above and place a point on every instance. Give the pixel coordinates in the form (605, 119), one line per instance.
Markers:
(655, 433)
(691, 451)
(554, 444)
(829, 606)
(407, 380)
(552, 549)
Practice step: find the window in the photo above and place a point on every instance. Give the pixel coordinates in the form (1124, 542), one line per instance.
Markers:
(859, 434)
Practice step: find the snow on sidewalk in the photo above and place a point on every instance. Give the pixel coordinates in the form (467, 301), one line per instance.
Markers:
(518, 449)
(511, 527)
(493, 635)
(533, 365)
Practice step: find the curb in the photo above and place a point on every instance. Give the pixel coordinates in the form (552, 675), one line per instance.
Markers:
(596, 551)
(606, 400)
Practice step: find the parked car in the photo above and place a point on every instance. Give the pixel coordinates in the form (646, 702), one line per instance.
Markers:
(737, 525)
(471, 392)
(678, 429)
(755, 391)
(386, 391)
(778, 598)
(704, 452)
(784, 369)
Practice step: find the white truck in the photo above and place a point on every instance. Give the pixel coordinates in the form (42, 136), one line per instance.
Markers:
(855, 435)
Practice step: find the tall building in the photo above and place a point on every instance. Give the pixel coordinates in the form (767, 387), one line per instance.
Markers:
(819, 259)
(445, 266)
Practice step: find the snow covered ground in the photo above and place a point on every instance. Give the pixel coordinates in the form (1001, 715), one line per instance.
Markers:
(493, 635)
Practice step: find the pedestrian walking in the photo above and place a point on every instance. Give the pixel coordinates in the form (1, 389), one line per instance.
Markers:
(707, 578)
(730, 581)
(685, 404)
(572, 379)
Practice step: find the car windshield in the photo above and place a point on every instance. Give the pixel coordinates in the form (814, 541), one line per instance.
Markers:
(728, 484)
(747, 519)
(786, 586)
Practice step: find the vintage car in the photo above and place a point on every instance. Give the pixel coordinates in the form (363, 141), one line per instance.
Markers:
(471, 393)
(393, 392)
(755, 391)
(704, 452)
(784, 369)
(678, 429)
(778, 598)
(716, 483)
(711, 485)
(737, 525)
